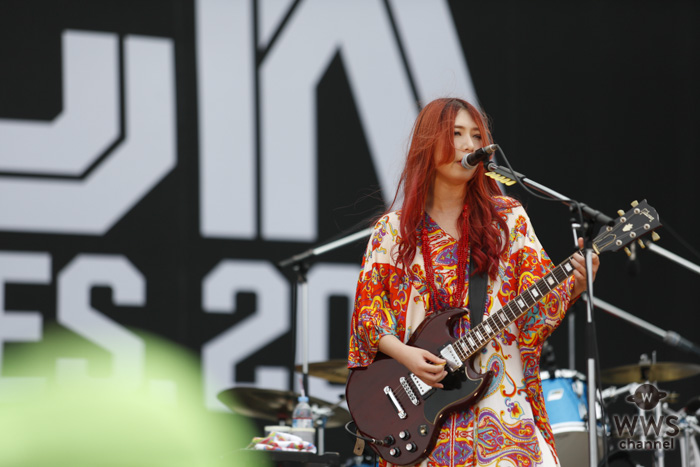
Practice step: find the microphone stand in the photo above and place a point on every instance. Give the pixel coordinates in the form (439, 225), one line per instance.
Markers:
(671, 338)
(585, 230)
(300, 265)
(673, 257)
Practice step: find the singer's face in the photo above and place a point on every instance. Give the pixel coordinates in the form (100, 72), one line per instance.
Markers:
(467, 138)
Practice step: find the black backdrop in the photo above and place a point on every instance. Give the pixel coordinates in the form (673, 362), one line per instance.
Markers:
(597, 100)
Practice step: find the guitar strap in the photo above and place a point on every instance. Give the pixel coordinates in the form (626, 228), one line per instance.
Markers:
(477, 295)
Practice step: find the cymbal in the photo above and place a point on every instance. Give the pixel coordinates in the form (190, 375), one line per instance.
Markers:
(275, 405)
(655, 372)
(334, 371)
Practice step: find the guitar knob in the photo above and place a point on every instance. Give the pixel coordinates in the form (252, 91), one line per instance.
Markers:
(404, 434)
(395, 452)
(620, 212)
(628, 252)
(634, 203)
(389, 440)
(655, 236)
(410, 447)
(641, 243)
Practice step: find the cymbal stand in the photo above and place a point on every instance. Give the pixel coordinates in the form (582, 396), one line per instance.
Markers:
(321, 415)
(659, 454)
(320, 424)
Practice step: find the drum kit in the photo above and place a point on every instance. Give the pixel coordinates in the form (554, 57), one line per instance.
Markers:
(277, 406)
(566, 395)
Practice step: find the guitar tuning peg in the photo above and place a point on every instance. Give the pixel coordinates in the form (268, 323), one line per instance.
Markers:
(628, 252)
(641, 243)
(655, 236)
(634, 203)
(620, 212)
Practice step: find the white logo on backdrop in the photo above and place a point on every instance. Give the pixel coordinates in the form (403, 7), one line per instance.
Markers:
(74, 311)
(20, 326)
(81, 172)
(92, 201)
(361, 32)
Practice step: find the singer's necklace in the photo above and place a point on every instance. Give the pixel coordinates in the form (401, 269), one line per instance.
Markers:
(455, 300)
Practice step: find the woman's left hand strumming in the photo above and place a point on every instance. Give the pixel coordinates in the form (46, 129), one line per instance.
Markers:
(579, 264)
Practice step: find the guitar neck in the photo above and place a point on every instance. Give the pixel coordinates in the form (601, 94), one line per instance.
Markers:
(482, 334)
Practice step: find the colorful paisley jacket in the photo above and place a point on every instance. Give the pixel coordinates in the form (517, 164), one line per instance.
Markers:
(509, 425)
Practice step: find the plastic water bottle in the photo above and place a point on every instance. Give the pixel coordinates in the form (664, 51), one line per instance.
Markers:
(302, 420)
(301, 416)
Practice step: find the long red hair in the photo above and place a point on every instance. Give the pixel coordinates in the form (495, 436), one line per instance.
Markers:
(434, 131)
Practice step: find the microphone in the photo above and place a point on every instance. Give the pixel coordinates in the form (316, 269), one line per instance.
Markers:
(470, 161)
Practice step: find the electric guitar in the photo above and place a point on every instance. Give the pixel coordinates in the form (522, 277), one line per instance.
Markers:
(401, 415)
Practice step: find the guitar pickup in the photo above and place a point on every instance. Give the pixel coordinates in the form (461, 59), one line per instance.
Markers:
(423, 388)
(408, 390)
(448, 353)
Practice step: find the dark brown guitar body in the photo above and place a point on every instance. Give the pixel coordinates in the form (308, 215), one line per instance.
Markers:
(376, 415)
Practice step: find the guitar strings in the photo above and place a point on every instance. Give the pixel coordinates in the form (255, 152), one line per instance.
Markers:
(400, 392)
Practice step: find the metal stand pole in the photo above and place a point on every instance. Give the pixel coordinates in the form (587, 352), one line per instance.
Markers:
(685, 445)
(591, 346)
(572, 340)
(589, 216)
(300, 292)
(669, 337)
(302, 296)
(300, 313)
(660, 454)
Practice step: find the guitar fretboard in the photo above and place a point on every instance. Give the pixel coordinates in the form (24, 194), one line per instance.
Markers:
(482, 334)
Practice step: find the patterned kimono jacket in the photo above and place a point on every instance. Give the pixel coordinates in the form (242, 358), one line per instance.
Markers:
(509, 425)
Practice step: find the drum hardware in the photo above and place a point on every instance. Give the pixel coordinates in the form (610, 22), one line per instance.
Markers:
(692, 407)
(611, 393)
(689, 427)
(565, 396)
(648, 397)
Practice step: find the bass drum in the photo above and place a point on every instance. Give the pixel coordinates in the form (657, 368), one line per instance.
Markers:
(565, 398)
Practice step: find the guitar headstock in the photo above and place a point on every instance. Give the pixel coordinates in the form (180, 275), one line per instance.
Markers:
(632, 225)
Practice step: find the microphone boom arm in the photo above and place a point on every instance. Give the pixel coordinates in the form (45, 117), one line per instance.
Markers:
(508, 177)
